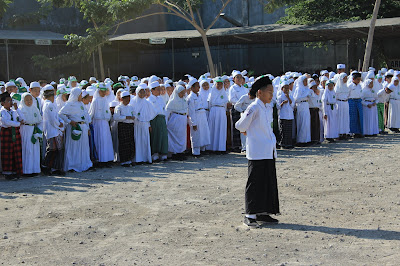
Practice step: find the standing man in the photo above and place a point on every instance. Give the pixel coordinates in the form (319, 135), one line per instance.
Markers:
(355, 106)
(261, 196)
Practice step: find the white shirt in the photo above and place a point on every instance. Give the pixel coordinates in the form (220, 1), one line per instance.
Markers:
(355, 91)
(100, 109)
(243, 103)
(235, 92)
(314, 100)
(256, 122)
(51, 120)
(9, 118)
(383, 97)
(158, 104)
(194, 103)
(122, 111)
(286, 111)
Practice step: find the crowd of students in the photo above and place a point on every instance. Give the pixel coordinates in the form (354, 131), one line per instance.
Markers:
(70, 126)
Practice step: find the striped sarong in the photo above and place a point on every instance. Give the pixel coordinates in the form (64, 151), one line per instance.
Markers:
(356, 116)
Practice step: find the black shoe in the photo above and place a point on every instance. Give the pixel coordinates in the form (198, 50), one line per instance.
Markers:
(383, 133)
(331, 140)
(125, 165)
(266, 219)
(250, 222)
(133, 164)
(10, 177)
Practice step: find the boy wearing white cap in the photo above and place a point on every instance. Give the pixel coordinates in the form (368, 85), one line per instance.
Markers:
(159, 133)
(34, 90)
(125, 118)
(53, 128)
(235, 92)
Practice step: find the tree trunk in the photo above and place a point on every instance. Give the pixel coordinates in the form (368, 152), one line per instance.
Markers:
(103, 77)
(368, 47)
(208, 53)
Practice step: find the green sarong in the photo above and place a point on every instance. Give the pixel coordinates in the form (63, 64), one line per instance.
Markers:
(381, 115)
(159, 135)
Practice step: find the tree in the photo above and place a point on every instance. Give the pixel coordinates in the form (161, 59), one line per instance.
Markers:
(107, 15)
(308, 12)
(4, 6)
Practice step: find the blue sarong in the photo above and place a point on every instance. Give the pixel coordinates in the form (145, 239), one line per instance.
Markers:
(356, 116)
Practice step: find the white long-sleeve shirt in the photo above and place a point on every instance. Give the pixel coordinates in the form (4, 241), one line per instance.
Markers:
(235, 92)
(194, 103)
(286, 110)
(122, 111)
(355, 91)
(243, 103)
(100, 109)
(158, 104)
(256, 122)
(383, 97)
(51, 120)
(9, 118)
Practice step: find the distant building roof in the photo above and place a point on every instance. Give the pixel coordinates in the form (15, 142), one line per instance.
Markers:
(274, 32)
(30, 35)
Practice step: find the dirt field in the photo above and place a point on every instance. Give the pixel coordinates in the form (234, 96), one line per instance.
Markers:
(340, 205)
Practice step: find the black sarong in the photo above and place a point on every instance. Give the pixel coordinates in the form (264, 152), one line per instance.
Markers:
(126, 143)
(286, 130)
(315, 125)
(261, 194)
(235, 133)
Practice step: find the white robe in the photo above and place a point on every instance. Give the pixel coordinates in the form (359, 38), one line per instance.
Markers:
(342, 93)
(144, 113)
(394, 107)
(100, 113)
(303, 118)
(331, 123)
(77, 152)
(217, 100)
(199, 138)
(370, 115)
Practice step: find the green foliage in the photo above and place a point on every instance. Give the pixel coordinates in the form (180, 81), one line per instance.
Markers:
(4, 6)
(308, 12)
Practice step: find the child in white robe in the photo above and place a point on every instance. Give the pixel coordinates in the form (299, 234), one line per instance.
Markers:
(144, 112)
(330, 112)
(199, 129)
(114, 130)
(31, 133)
(217, 102)
(301, 96)
(177, 122)
(342, 96)
(394, 106)
(77, 149)
(369, 97)
(100, 114)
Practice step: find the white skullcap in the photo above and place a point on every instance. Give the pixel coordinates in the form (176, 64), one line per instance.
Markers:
(10, 84)
(323, 72)
(154, 84)
(92, 79)
(235, 73)
(371, 69)
(191, 82)
(153, 78)
(34, 85)
(49, 87)
(341, 66)
(84, 93)
(125, 94)
(113, 104)
(135, 78)
(244, 72)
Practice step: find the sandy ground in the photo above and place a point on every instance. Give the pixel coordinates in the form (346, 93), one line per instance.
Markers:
(340, 205)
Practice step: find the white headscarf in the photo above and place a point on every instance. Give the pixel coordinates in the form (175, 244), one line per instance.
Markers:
(31, 113)
(217, 97)
(74, 95)
(143, 109)
(177, 104)
(301, 91)
(340, 86)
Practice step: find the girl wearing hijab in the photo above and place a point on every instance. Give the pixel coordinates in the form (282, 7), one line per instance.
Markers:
(394, 106)
(100, 114)
(369, 98)
(301, 96)
(342, 96)
(329, 107)
(217, 102)
(77, 149)
(61, 96)
(163, 93)
(114, 124)
(143, 112)
(199, 130)
(177, 122)
(31, 131)
(203, 93)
